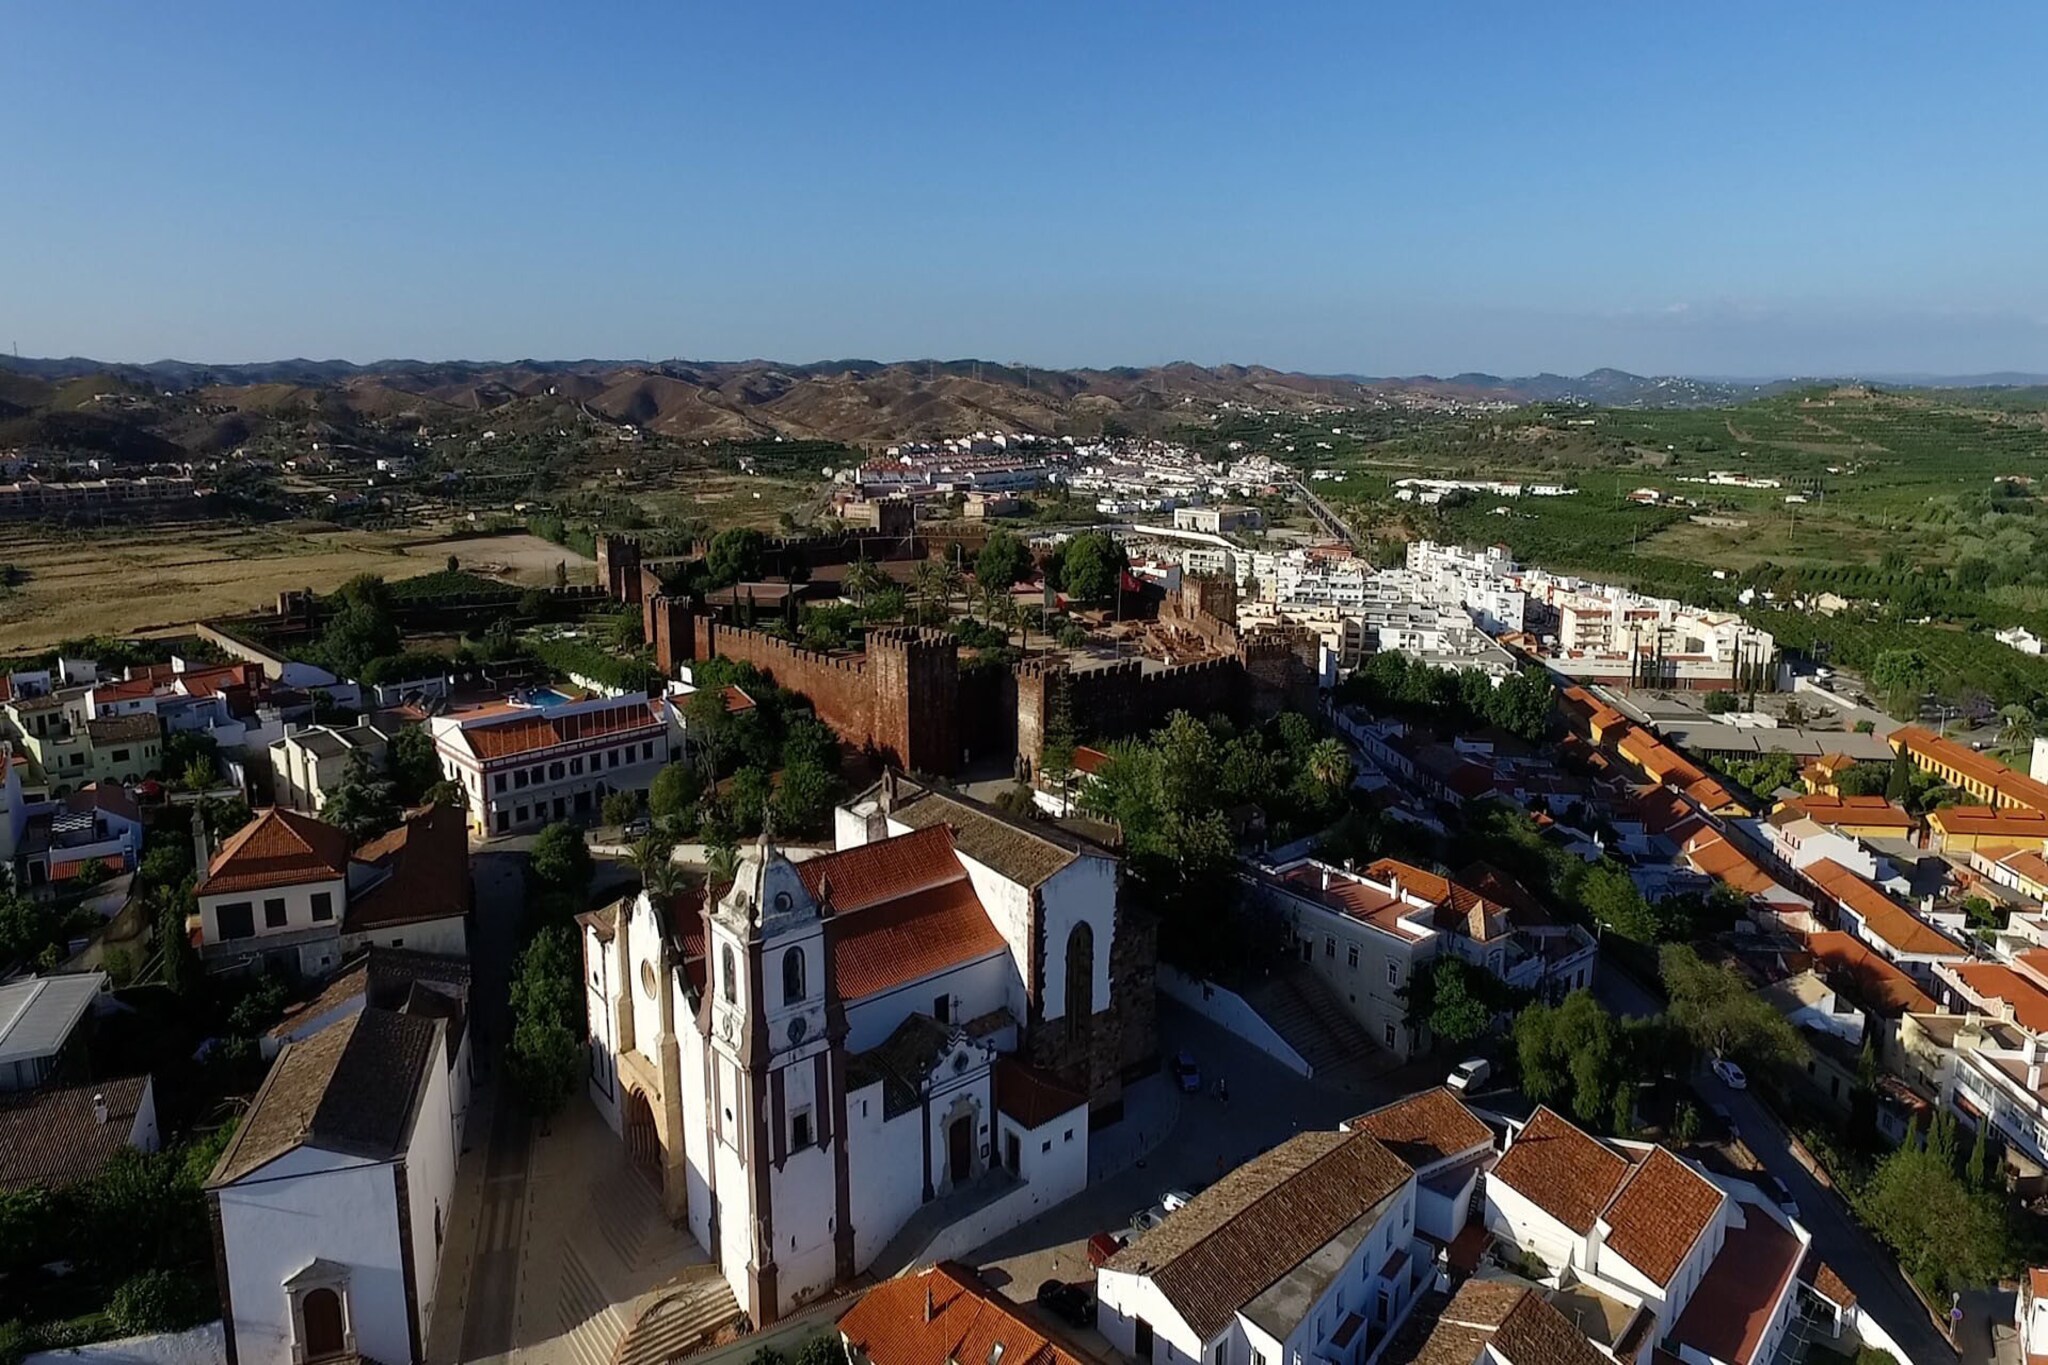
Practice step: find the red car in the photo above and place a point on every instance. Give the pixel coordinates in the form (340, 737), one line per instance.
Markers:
(1102, 1246)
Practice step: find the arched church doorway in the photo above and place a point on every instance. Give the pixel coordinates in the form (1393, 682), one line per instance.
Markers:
(643, 1140)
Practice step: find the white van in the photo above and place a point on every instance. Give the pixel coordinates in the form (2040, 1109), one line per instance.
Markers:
(1469, 1075)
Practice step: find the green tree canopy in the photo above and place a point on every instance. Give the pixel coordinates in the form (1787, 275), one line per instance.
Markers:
(675, 789)
(734, 556)
(415, 765)
(364, 802)
(1090, 565)
(1002, 563)
(560, 861)
(1947, 1236)
(1722, 1015)
(546, 1022)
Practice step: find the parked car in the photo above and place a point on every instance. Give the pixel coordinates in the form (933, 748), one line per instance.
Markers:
(1782, 1192)
(1104, 1245)
(1070, 1303)
(1144, 1220)
(1730, 1074)
(1185, 1073)
(639, 827)
(1469, 1074)
(1174, 1199)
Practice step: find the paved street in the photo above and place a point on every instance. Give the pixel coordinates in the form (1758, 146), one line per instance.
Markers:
(1864, 1266)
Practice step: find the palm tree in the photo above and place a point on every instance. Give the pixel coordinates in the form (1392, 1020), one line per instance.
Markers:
(654, 859)
(722, 863)
(2018, 730)
(864, 578)
(935, 581)
(1329, 763)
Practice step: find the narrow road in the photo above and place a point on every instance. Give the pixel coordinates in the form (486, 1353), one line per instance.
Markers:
(1843, 1243)
(1864, 1265)
(494, 1276)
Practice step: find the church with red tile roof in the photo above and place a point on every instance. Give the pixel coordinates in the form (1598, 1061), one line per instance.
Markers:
(804, 1059)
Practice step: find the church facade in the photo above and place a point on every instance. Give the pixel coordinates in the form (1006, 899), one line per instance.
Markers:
(809, 1060)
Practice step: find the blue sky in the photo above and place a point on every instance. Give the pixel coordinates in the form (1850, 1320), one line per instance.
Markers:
(1734, 189)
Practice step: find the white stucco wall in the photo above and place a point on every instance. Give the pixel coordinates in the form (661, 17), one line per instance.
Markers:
(888, 1174)
(310, 1204)
(1514, 1218)
(972, 988)
(430, 1180)
(1123, 1300)
(448, 937)
(1082, 892)
(298, 910)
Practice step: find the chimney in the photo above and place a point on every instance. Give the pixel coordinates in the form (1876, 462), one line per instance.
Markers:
(927, 1297)
(1326, 876)
(99, 1109)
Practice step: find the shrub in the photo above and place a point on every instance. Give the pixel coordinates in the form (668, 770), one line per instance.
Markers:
(154, 1301)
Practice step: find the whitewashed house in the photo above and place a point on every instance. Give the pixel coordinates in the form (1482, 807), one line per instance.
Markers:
(329, 1207)
(1308, 1252)
(1653, 1244)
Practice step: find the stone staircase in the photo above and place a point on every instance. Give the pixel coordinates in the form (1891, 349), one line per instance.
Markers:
(1314, 1022)
(679, 1321)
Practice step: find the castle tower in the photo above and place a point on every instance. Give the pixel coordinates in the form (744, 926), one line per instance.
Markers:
(775, 1072)
(618, 567)
(916, 676)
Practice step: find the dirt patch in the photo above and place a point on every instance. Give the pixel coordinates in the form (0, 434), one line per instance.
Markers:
(517, 558)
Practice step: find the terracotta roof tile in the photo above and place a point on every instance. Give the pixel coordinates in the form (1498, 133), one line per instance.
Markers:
(1663, 1208)
(52, 1136)
(277, 848)
(1027, 852)
(868, 874)
(1425, 1128)
(899, 941)
(349, 1088)
(1535, 1333)
(1873, 982)
(1731, 1307)
(943, 1316)
(1985, 823)
(2013, 788)
(1882, 915)
(1869, 811)
(427, 859)
(1829, 1285)
(1999, 982)
(526, 733)
(1032, 1096)
(1236, 1238)
(1561, 1170)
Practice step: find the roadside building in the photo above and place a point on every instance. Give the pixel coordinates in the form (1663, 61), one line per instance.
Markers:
(307, 765)
(329, 1207)
(286, 890)
(1881, 923)
(944, 1313)
(1310, 1250)
(1653, 1242)
(524, 766)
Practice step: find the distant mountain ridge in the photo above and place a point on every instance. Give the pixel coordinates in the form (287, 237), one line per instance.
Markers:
(65, 401)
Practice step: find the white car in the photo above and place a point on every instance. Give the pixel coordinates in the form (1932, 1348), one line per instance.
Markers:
(1730, 1074)
(1469, 1075)
(1174, 1200)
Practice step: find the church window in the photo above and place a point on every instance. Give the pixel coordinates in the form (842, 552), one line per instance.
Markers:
(1080, 980)
(793, 976)
(728, 975)
(800, 1130)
